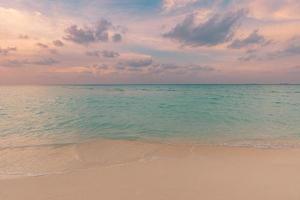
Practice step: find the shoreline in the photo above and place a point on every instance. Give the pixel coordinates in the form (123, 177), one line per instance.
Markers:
(117, 169)
(103, 152)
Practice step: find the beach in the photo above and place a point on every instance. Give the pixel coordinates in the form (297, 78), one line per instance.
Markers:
(145, 142)
(120, 169)
(149, 100)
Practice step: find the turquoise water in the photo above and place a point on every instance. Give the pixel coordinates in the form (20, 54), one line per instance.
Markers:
(213, 114)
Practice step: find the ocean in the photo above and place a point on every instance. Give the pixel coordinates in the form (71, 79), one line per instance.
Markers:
(39, 125)
(209, 114)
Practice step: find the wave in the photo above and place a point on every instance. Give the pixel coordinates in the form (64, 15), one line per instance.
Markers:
(41, 160)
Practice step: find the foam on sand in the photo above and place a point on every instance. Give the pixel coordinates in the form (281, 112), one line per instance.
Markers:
(110, 169)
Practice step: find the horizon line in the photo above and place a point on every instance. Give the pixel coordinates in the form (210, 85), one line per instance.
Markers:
(112, 84)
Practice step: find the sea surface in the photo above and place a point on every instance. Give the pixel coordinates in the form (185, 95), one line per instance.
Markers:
(45, 117)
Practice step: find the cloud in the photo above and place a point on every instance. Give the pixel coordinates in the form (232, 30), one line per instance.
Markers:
(100, 66)
(152, 69)
(292, 49)
(26, 62)
(110, 54)
(117, 37)
(143, 63)
(215, 30)
(137, 62)
(170, 5)
(78, 35)
(25, 23)
(180, 69)
(105, 53)
(53, 51)
(253, 39)
(275, 10)
(179, 6)
(41, 45)
(23, 37)
(58, 43)
(7, 50)
(207, 25)
(95, 69)
(45, 61)
(249, 57)
(93, 53)
(100, 32)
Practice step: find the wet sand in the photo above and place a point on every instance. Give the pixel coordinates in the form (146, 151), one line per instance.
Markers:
(129, 170)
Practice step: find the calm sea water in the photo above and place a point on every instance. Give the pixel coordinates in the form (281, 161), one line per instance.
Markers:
(214, 114)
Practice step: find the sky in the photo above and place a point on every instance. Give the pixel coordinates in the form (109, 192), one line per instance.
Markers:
(149, 41)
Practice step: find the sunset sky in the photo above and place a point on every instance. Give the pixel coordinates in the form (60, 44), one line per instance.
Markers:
(149, 41)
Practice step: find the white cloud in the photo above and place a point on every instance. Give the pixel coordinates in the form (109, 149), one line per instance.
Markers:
(169, 5)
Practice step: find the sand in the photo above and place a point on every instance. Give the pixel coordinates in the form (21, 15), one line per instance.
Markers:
(127, 170)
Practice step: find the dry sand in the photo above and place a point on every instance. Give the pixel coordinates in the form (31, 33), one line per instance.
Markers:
(124, 170)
